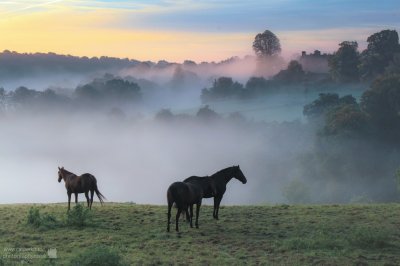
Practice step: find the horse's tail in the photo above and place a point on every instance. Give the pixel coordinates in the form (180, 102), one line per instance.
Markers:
(174, 196)
(99, 195)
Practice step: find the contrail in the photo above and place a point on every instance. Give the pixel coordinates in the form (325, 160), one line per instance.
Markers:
(33, 6)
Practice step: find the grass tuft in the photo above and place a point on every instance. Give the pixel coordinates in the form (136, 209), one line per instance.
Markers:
(42, 221)
(370, 238)
(79, 216)
(98, 256)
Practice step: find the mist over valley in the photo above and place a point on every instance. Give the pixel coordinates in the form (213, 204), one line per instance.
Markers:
(303, 131)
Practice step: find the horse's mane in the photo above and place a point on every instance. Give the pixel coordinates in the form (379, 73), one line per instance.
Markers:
(221, 171)
(194, 178)
(67, 172)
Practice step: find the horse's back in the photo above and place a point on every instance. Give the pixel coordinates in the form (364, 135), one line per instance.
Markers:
(193, 178)
(87, 181)
(205, 182)
(88, 177)
(184, 193)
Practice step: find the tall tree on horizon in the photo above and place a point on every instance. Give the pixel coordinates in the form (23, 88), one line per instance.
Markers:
(267, 48)
(266, 44)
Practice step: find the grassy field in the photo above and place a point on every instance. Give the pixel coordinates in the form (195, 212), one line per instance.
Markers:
(265, 235)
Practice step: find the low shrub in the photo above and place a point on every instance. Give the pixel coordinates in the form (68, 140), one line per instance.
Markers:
(99, 256)
(79, 216)
(38, 220)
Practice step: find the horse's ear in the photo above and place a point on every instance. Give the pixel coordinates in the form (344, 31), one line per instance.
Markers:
(238, 167)
(59, 168)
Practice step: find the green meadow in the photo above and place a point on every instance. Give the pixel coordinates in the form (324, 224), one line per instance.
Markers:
(130, 234)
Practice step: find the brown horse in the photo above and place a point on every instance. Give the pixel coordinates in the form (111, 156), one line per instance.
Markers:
(80, 184)
(184, 195)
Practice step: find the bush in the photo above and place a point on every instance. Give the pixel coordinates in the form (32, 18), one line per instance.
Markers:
(98, 256)
(34, 217)
(40, 220)
(78, 216)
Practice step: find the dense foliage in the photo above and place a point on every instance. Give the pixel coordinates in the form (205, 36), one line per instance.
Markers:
(266, 44)
(99, 93)
(344, 63)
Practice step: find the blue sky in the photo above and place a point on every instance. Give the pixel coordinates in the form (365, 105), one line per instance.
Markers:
(222, 27)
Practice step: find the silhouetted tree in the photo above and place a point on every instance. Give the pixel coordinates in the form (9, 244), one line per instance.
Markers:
(207, 114)
(258, 86)
(394, 65)
(346, 119)
(23, 95)
(122, 90)
(266, 44)
(115, 89)
(382, 46)
(382, 104)
(223, 87)
(325, 103)
(344, 63)
(293, 73)
(88, 92)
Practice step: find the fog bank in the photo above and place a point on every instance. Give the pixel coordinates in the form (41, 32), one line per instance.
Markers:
(137, 160)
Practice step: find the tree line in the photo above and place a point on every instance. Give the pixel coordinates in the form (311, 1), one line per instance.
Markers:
(346, 65)
(96, 94)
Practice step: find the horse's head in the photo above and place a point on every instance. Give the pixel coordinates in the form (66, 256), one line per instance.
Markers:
(60, 174)
(238, 174)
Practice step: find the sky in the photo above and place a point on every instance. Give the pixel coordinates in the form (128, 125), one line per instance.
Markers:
(177, 30)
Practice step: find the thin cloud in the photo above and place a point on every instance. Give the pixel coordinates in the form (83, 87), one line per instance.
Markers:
(18, 7)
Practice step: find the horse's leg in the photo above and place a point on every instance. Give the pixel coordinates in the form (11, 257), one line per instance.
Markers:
(187, 214)
(177, 219)
(217, 202)
(169, 215)
(91, 198)
(191, 215)
(215, 207)
(87, 198)
(69, 200)
(76, 198)
(197, 213)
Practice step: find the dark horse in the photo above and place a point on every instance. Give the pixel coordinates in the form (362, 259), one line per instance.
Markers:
(185, 195)
(220, 179)
(80, 184)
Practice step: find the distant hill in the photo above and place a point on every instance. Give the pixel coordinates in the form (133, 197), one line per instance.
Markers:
(14, 64)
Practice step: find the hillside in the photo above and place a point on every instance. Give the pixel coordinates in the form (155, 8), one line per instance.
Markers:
(267, 235)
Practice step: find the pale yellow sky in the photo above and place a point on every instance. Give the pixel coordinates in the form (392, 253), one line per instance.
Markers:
(87, 33)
